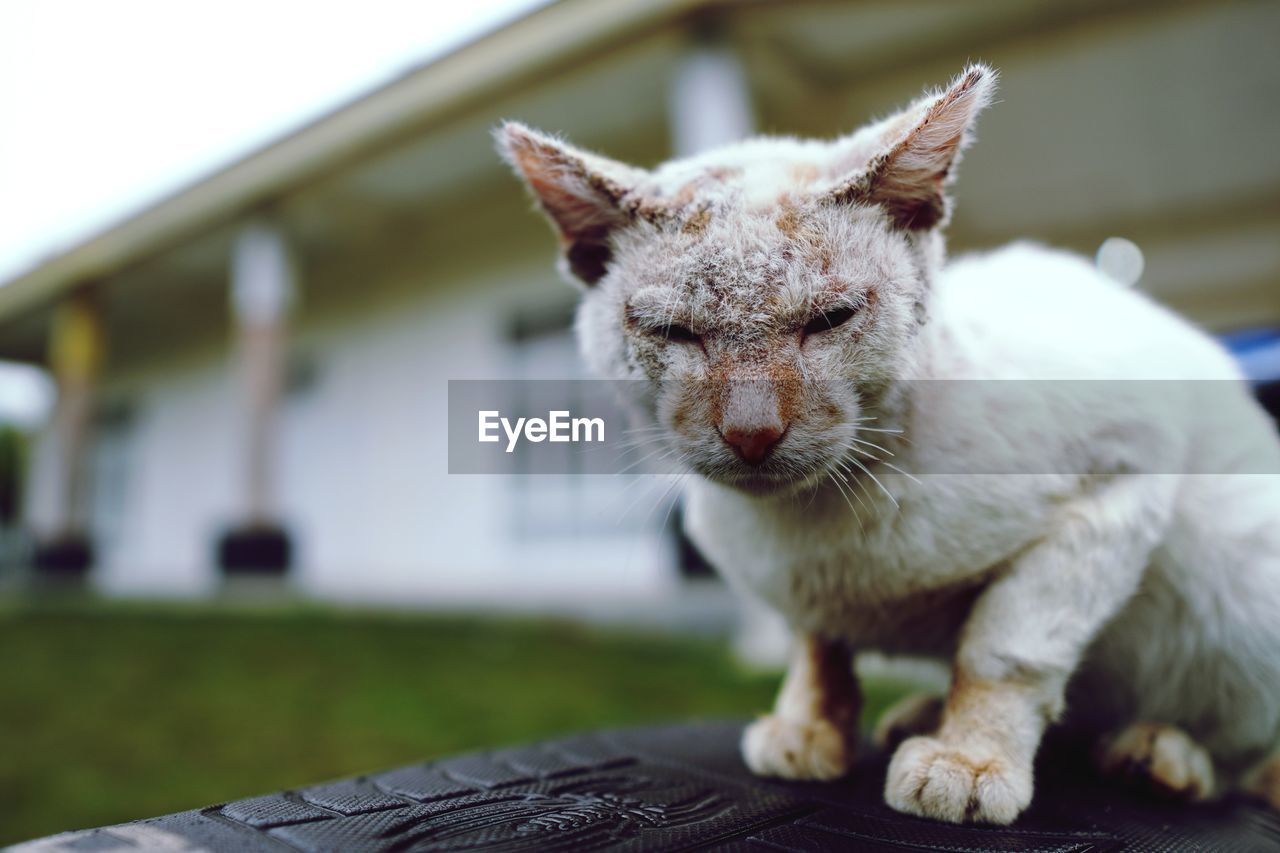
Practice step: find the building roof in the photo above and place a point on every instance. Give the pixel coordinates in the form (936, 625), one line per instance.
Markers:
(537, 44)
(1107, 118)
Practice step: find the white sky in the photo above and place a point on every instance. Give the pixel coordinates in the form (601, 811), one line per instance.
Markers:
(107, 106)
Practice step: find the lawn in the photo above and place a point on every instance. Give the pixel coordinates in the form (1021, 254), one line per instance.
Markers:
(110, 713)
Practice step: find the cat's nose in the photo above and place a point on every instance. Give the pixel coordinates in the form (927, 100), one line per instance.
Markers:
(753, 443)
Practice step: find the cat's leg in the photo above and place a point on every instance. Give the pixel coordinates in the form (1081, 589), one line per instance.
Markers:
(917, 714)
(1024, 637)
(1161, 757)
(1263, 781)
(813, 730)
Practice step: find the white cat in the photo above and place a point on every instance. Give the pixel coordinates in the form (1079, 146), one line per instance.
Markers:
(786, 308)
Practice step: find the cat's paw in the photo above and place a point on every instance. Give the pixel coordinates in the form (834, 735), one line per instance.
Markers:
(1263, 782)
(816, 750)
(917, 714)
(933, 779)
(1163, 757)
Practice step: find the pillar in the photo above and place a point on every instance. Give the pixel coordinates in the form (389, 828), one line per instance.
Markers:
(709, 104)
(64, 545)
(262, 290)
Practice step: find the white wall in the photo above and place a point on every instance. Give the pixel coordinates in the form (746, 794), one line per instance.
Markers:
(362, 474)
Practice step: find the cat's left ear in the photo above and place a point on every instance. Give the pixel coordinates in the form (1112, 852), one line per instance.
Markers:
(583, 194)
(916, 151)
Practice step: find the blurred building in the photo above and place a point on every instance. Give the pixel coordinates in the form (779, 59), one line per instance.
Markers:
(252, 373)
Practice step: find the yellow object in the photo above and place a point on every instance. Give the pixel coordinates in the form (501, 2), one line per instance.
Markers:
(76, 340)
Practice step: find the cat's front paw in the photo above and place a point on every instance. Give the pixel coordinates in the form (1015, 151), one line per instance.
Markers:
(810, 750)
(933, 779)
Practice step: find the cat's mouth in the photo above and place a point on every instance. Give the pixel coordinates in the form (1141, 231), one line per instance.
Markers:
(763, 485)
(775, 476)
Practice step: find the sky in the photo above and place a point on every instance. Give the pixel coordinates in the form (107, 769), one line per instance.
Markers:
(106, 107)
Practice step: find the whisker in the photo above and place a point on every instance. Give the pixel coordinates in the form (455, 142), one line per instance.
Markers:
(644, 476)
(883, 450)
(836, 480)
(648, 428)
(662, 498)
(853, 486)
(681, 458)
(866, 453)
(672, 505)
(641, 495)
(910, 477)
(652, 442)
(627, 509)
(661, 451)
(874, 479)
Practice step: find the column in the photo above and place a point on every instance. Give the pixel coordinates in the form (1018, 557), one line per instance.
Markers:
(262, 291)
(710, 102)
(64, 544)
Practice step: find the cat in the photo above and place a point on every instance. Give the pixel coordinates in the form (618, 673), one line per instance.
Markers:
(787, 307)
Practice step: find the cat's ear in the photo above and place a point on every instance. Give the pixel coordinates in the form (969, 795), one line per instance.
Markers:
(582, 193)
(913, 155)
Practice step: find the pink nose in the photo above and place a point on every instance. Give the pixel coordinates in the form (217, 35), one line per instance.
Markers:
(753, 443)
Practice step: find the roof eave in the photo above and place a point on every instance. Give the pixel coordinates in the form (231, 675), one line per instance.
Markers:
(547, 38)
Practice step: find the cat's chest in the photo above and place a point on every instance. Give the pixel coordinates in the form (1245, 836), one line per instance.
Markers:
(871, 599)
(901, 579)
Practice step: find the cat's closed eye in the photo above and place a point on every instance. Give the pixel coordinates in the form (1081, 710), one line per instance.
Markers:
(829, 320)
(676, 333)
(648, 314)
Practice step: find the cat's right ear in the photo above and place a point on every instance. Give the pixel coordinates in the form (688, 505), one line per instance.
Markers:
(581, 193)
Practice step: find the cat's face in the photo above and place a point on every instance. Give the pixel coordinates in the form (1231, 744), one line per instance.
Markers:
(765, 296)
(759, 337)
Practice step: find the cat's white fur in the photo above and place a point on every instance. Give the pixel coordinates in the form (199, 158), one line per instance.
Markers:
(1112, 582)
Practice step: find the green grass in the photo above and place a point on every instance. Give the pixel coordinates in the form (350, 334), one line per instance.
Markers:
(111, 713)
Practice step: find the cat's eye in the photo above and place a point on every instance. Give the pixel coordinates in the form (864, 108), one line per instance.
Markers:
(676, 333)
(829, 320)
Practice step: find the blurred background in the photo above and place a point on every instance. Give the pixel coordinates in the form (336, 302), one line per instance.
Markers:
(243, 251)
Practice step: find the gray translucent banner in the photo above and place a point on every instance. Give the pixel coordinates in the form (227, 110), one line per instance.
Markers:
(924, 428)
